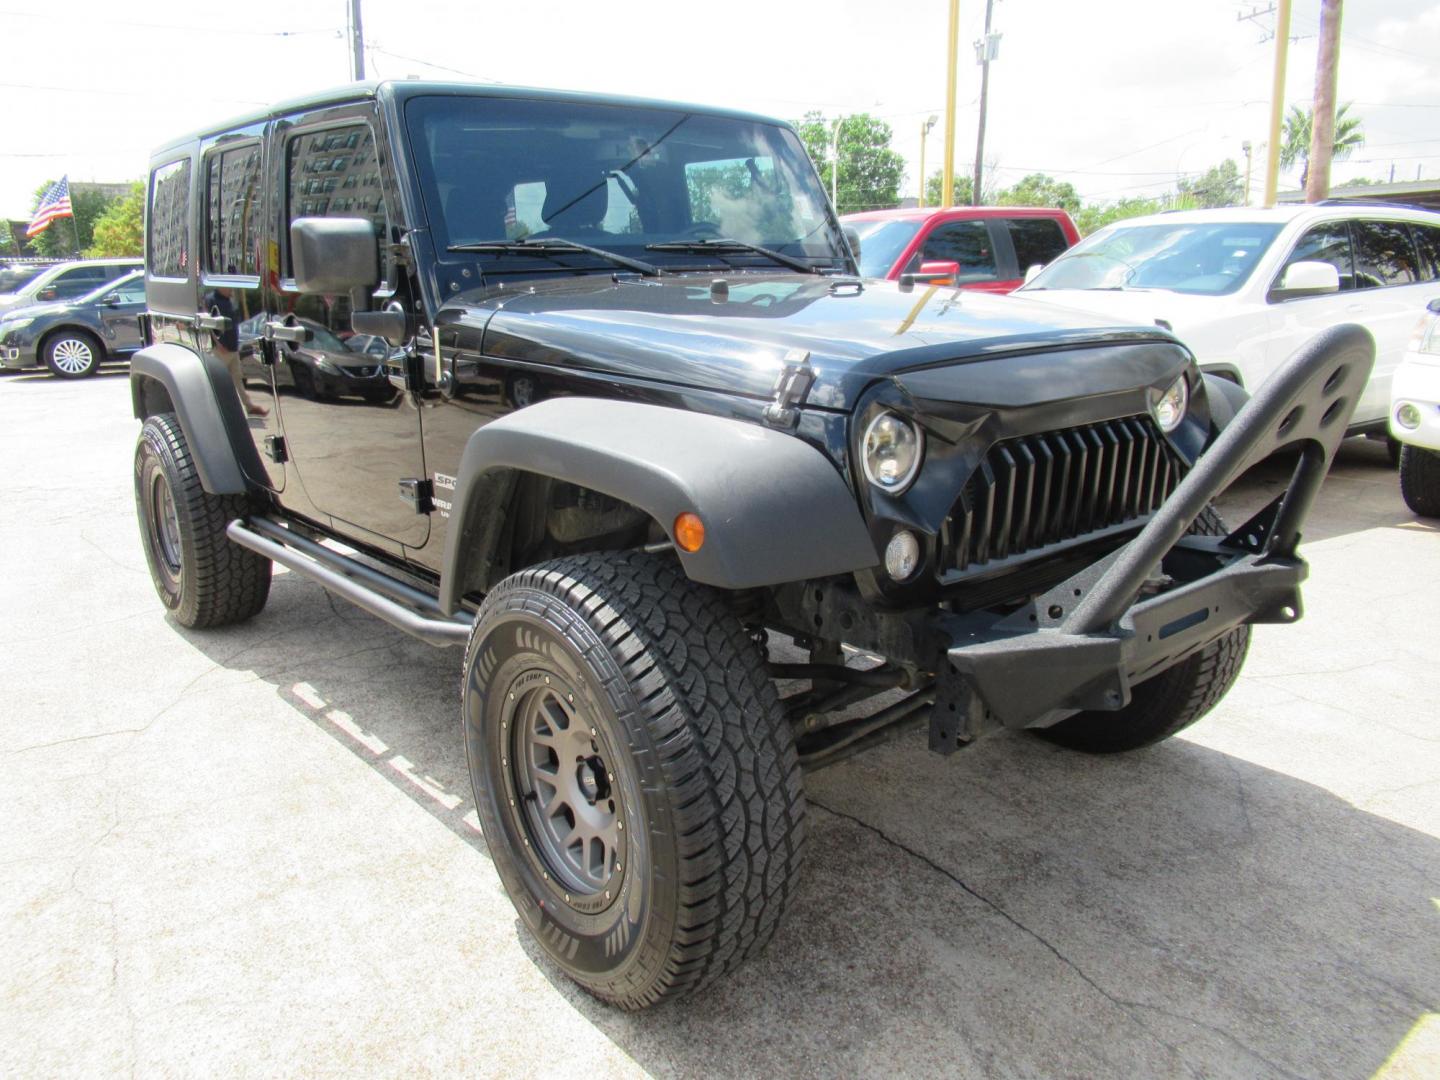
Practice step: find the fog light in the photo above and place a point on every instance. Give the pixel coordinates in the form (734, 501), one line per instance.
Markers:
(902, 555)
(1407, 416)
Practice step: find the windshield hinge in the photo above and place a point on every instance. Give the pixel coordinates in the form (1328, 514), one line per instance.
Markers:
(791, 387)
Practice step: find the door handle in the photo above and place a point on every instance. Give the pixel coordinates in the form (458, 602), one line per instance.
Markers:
(204, 320)
(294, 333)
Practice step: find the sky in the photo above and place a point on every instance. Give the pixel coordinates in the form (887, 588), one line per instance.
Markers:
(1119, 97)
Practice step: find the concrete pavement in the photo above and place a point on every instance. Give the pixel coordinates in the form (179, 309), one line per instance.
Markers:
(253, 851)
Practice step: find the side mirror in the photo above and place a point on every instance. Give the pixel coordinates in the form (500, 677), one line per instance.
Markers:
(853, 239)
(334, 255)
(938, 271)
(1033, 271)
(387, 324)
(111, 300)
(1306, 279)
(48, 293)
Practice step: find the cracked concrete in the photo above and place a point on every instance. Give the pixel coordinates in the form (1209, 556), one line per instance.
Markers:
(255, 851)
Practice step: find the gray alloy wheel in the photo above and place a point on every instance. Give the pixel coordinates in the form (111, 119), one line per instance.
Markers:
(73, 354)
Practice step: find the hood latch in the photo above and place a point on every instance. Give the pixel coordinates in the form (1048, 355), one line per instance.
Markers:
(791, 387)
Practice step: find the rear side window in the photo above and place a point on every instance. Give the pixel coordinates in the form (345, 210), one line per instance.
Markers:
(169, 241)
(1427, 246)
(1037, 241)
(232, 211)
(79, 281)
(1383, 254)
(1327, 243)
(966, 243)
(334, 173)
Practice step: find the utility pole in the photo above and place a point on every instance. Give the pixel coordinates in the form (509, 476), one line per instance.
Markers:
(357, 43)
(1277, 101)
(924, 131)
(1322, 110)
(985, 50)
(835, 161)
(947, 184)
(1248, 150)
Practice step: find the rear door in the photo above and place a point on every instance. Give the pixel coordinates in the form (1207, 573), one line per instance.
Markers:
(1389, 298)
(1034, 241)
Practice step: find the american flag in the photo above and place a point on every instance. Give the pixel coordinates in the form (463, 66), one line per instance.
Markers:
(55, 204)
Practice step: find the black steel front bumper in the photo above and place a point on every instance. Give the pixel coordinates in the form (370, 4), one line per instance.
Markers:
(1165, 594)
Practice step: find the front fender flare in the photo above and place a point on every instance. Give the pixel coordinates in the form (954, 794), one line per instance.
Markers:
(207, 415)
(775, 508)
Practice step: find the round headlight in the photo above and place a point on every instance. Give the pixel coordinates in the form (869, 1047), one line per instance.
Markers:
(1169, 408)
(891, 452)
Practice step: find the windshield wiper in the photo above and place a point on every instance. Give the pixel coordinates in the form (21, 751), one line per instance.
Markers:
(559, 246)
(722, 244)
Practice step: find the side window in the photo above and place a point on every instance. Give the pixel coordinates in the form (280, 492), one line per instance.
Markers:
(1327, 243)
(966, 243)
(1037, 241)
(232, 211)
(169, 222)
(1383, 254)
(78, 282)
(334, 172)
(1427, 244)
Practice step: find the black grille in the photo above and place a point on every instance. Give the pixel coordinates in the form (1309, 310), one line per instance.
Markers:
(1039, 490)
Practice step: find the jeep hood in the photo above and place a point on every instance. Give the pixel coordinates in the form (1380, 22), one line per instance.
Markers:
(683, 331)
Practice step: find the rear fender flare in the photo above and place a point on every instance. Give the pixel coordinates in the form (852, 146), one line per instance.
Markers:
(205, 403)
(775, 508)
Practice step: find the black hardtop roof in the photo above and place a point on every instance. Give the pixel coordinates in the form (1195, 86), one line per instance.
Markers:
(401, 90)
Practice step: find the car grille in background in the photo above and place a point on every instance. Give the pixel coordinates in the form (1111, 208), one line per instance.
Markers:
(1038, 490)
(361, 371)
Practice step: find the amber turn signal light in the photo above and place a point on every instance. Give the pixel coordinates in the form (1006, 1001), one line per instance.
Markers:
(689, 532)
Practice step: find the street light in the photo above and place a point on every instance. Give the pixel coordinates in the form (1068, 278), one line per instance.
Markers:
(925, 129)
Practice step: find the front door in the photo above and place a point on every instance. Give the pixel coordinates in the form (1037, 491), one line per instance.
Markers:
(351, 436)
(119, 311)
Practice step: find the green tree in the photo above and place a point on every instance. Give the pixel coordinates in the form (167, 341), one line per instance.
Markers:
(870, 172)
(964, 185)
(1098, 215)
(1295, 142)
(1037, 189)
(66, 236)
(1219, 185)
(120, 230)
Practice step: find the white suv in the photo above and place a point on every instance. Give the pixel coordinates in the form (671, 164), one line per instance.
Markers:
(1245, 288)
(1415, 416)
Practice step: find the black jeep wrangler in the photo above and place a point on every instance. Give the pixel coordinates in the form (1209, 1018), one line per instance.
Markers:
(589, 387)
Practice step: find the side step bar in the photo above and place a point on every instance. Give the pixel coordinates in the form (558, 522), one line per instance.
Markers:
(402, 606)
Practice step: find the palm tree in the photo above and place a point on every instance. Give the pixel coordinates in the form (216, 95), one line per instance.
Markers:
(1295, 146)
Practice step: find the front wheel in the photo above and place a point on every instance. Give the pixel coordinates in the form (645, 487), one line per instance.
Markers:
(73, 354)
(634, 775)
(1169, 702)
(199, 574)
(1420, 480)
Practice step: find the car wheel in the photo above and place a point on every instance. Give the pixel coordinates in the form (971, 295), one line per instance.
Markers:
(635, 778)
(1420, 480)
(199, 574)
(73, 354)
(1167, 703)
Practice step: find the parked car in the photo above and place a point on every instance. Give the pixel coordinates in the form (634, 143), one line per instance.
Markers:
(68, 281)
(1415, 416)
(1245, 287)
(649, 417)
(988, 248)
(73, 338)
(323, 366)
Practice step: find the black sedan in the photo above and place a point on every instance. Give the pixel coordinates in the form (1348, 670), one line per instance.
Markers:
(72, 338)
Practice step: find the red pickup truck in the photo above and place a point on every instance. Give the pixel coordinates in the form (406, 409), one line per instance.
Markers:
(976, 247)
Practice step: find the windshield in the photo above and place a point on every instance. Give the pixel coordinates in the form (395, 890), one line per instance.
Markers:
(1208, 259)
(619, 178)
(881, 243)
(15, 278)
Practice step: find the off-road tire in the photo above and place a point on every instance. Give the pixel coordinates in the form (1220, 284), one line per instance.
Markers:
(1169, 702)
(200, 575)
(706, 786)
(64, 349)
(1420, 480)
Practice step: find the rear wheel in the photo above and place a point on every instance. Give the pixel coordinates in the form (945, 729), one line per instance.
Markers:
(73, 354)
(1420, 480)
(1169, 702)
(199, 574)
(635, 778)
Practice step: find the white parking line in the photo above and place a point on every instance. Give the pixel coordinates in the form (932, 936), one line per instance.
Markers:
(427, 784)
(345, 723)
